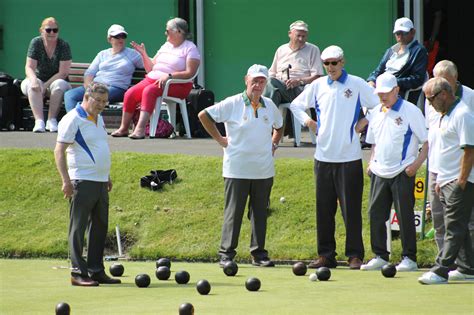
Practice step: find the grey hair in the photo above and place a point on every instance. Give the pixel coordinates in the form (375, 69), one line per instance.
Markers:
(179, 24)
(445, 67)
(96, 87)
(437, 85)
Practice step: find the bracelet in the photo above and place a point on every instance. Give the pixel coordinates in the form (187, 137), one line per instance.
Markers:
(275, 145)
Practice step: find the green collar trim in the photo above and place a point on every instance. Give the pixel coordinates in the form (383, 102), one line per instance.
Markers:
(247, 100)
(451, 108)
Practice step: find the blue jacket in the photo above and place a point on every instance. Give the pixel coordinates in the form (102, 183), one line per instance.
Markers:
(412, 74)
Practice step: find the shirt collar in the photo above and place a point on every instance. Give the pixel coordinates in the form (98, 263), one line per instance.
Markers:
(451, 108)
(82, 112)
(397, 105)
(342, 79)
(247, 100)
(458, 90)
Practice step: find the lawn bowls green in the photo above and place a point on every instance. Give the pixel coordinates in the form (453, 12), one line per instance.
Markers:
(253, 284)
(186, 309)
(323, 273)
(142, 280)
(163, 273)
(230, 268)
(182, 277)
(63, 309)
(299, 269)
(116, 270)
(203, 287)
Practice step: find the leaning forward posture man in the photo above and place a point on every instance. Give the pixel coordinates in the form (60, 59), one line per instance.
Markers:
(83, 160)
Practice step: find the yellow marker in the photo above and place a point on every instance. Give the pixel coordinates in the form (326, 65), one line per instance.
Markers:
(420, 188)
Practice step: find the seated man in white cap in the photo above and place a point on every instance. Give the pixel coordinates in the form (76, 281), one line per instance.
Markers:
(254, 125)
(407, 60)
(396, 130)
(337, 99)
(295, 64)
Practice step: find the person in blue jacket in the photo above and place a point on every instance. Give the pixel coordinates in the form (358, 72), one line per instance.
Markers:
(407, 60)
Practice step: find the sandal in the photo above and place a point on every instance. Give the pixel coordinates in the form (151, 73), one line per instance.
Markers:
(117, 134)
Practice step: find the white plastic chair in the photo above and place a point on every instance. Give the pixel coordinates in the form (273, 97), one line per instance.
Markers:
(296, 125)
(421, 98)
(169, 102)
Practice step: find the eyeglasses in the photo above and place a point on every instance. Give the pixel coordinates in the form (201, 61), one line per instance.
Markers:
(401, 33)
(120, 36)
(99, 101)
(171, 31)
(49, 30)
(431, 98)
(334, 63)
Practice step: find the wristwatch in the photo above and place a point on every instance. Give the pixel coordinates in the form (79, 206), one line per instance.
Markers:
(170, 76)
(301, 82)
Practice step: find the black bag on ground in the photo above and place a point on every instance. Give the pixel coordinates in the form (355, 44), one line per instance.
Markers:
(197, 100)
(10, 113)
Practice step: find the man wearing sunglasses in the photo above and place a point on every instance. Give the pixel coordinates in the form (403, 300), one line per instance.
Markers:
(454, 182)
(337, 99)
(407, 60)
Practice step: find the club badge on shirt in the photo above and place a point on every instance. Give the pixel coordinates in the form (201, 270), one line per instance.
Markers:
(348, 93)
(399, 121)
(265, 119)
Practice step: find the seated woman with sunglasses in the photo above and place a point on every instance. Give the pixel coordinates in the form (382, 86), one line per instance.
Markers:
(178, 58)
(113, 67)
(47, 68)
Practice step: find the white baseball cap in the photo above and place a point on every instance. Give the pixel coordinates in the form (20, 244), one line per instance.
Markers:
(403, 24)
(256, 71)
(332, 52)
(385, 83)
(299, 26)
(116, 29)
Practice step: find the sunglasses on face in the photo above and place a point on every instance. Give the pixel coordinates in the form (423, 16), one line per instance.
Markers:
(431, 98)
(334, 63)
(120, 36)
(401, 33)
(49, 30)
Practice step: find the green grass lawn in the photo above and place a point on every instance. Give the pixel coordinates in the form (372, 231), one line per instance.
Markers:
(182, 221)
(36, 286)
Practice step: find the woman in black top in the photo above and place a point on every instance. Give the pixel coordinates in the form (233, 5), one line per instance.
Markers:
(47, 68)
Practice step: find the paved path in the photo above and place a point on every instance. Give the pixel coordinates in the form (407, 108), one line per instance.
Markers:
(206, 147)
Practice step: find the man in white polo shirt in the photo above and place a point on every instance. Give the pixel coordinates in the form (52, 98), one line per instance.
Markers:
(444, 69)
(454, 182)
(337, 99)
(253, 126)
(396, 130)
(83, 160)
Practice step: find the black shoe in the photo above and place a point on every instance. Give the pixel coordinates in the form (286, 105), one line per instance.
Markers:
(167, 176)
(102, 277)
(265, 262)
(151, 182)
(224, 261)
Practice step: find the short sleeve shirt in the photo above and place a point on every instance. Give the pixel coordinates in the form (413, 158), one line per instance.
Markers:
(249, 135)
(47, 67)
(170, 59)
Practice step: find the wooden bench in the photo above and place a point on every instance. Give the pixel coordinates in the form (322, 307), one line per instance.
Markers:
(112, 113)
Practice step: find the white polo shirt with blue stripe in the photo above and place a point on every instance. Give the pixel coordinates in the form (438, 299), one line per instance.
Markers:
(337, 104)
(88, 156)
(456, 132)
(397, 133)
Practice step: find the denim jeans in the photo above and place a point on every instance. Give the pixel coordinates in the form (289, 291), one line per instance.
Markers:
(74, 96)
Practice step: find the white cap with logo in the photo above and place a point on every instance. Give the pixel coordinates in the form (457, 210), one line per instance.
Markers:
(403, 24)
(299, 26)
(116, 29)
(332, 52)
(256, 71)
(385, 83)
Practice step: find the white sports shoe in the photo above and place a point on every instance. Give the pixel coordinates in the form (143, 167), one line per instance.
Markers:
(374, 264)
(407, 265)
(459, 276)
(39, 126)
(52, 125)
(431, 278)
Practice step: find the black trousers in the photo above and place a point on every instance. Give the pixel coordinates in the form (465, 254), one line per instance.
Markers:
(384, 192)
(343, 182)
(89, 208)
